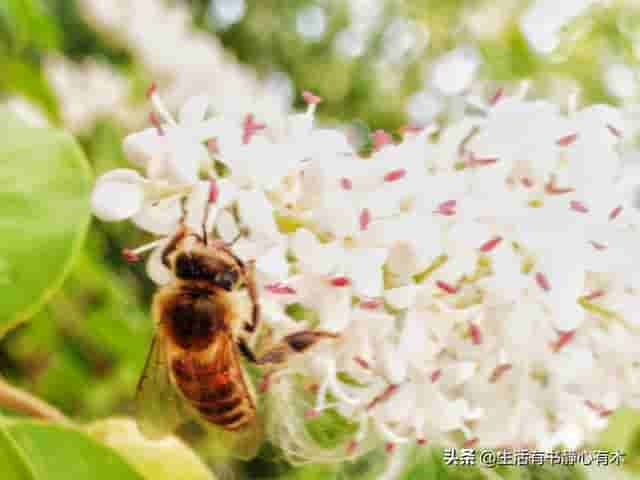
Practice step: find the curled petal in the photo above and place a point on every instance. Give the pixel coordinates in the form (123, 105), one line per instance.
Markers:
(115, 199)
(156, 270)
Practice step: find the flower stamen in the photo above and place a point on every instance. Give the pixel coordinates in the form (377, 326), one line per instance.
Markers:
(280, 289)
(578, 206)
(214, 191)
(250, 128)
(614, 131)
(446, 287)
(447, 208)
(473, 161)
(405, 129)
(351, 447)
(340, 281)
(615, 212)
(598, 408)
(543, 281)
(371, 304)
(472, 442)
(265, 384)
(567, 140)
(310, 98)
(365, 218)
(154, 119)
(595, 294)
(526, 182)
(499, 371)
(394, 175)
(475, 333)
(212, 146)
(563, 339)
(380, 139)
(551, 188)
(384, 396)
(132, 255)
(151, 90)
(490, 244)
(495, 98)
(362, 362)
(346, 183)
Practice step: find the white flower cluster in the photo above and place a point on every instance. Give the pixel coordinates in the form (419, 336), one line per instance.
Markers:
(87, 92)
(482, 275)
(164, 41)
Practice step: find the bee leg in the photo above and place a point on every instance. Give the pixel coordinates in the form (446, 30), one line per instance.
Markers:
(295, 343)
(246, 351)
(250, 272)
(172, 245)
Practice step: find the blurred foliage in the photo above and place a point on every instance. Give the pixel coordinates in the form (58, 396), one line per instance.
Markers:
(32, 270)
(26, 446)
(84, 349)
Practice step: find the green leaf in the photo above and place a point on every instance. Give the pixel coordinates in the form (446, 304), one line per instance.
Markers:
(300, 313)
(33, 451)
(348, 379)
(165, 459)
(45, 184)
(29, 23)
(330, 428)
(425, 464)
(20, 77)
(435, 265)
(287, 223)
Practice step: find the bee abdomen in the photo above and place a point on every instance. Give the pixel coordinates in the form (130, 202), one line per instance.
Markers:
(225, 403)
(219, 399)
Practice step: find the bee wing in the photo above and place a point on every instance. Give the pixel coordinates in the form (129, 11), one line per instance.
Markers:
(242, 444)
(159, 406)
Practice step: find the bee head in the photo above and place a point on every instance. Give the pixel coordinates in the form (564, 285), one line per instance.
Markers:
(207, 264)
(193, 259)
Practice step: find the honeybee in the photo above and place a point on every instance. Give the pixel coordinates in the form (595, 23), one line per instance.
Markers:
(204, 320)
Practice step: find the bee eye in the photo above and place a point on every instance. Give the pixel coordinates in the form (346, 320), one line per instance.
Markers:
(226, 279)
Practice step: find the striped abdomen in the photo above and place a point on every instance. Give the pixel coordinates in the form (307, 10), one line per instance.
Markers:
(221, 397)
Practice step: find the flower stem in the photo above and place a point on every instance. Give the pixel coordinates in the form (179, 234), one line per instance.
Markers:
(20, 401)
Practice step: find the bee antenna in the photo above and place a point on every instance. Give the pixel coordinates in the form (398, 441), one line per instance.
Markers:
(204, 234)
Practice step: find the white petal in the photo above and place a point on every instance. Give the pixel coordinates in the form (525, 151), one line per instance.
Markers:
(300, 126)
(335, 311)
(121, 175)
(314, 257)
(196, 208)
(113, 200)
(256, 213)
(226, 226)
(144, 147)
(393, 363)
(401, 297)
(364, 267)
(413, 341)
(194, 110)
(273, 264)
(184, 157)
(228, 191)
(159, 219)
(156, 270)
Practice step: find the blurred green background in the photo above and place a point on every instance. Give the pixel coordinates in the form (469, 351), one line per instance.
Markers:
(84, 65)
